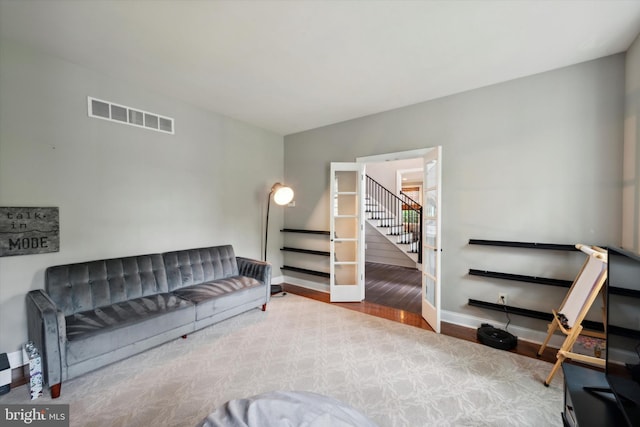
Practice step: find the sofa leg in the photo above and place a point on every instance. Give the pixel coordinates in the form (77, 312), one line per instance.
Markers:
(55, 390)
(264, 307)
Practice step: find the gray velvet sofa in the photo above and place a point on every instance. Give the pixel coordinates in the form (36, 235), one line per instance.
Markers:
(94, 313)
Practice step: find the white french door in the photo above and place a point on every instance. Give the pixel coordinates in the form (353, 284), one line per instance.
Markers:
(346, 281)
(431, 241)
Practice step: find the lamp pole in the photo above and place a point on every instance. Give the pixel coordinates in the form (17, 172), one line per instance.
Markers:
(282, 196)
(266, 228)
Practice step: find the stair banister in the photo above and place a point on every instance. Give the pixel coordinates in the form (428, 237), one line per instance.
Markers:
(394, 207)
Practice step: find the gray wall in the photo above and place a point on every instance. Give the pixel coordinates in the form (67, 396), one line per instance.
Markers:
(631, 194)
(534, 159)
(122, 190)
(380, 250)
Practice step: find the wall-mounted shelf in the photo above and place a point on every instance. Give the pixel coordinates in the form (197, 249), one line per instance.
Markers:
(297, 230)
(529, 245)
(522, 278)
(305, 251)
(319, 233)
(588, 324)
(305, 271)
(595, 326)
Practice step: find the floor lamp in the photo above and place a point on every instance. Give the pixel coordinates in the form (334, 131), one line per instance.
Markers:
(282, 195)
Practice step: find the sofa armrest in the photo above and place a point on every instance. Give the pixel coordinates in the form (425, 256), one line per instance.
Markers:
(259, 270)
(45, 333)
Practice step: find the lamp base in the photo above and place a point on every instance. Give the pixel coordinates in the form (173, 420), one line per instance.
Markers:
(276, 289)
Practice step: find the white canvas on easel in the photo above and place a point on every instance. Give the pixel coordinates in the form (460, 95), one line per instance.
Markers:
(583, 287)
(568, 318)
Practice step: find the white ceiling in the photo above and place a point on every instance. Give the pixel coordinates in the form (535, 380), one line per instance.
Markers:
(289, 66)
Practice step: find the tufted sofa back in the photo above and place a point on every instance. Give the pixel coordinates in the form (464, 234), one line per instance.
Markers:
(84, 286)
(195, 266)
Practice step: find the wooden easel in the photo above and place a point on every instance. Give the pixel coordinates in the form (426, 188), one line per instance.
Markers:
(568, 318)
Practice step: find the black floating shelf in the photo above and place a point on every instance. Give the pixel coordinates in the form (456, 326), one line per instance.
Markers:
(624, 292)
(297, 230)
(522, 278)
(305, 271)
(511, 310)
(588, 324)
(305, 251)
(530, 245)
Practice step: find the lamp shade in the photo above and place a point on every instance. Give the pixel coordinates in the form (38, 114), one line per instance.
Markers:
(282, 194)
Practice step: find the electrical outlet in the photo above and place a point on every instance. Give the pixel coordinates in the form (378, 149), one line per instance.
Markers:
(502, 298)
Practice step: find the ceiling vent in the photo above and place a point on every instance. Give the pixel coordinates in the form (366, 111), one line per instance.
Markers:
(106, 110)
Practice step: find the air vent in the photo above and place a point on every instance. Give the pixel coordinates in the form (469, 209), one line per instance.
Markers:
(106, 110)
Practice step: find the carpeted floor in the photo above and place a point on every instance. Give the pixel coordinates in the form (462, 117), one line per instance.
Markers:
(397, 375)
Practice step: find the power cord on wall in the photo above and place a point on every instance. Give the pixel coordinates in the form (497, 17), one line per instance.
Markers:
(504, 304)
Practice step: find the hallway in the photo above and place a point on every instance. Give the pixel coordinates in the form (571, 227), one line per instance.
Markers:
(392, 286)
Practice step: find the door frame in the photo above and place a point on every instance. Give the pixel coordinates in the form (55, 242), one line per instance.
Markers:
(405, 155)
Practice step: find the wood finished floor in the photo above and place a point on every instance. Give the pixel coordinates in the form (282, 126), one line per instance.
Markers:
(392, 286)
(415, 319)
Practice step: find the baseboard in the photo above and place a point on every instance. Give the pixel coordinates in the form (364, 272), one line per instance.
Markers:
(525, 334)
(309, 284)
(17, 372)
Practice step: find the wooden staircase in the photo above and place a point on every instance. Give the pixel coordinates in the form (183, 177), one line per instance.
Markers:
(397, 217)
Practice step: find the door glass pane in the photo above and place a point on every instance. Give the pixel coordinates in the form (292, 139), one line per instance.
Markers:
(346, 275)
(345, 204)
(430, 290)
(346, 251)
(346, 181)
(430, 261)
(430, 232)
(431, 203)
(431, 172)
(345, 228)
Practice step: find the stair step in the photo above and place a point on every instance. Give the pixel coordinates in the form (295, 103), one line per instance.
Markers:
(382, 216)
(391, 225)
(388, 222)
(411, 248)
(407, 239)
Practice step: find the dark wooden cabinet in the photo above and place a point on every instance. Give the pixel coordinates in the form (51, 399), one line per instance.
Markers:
(585, 407)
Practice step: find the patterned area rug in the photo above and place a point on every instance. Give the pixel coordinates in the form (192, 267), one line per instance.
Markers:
(396, 375)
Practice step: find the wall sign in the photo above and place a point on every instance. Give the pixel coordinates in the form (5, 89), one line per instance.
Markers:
(25, 231)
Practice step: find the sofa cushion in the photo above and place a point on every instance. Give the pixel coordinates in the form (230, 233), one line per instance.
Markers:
(195, 266)
(213, 297)
(81, 287)
(104, 329)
